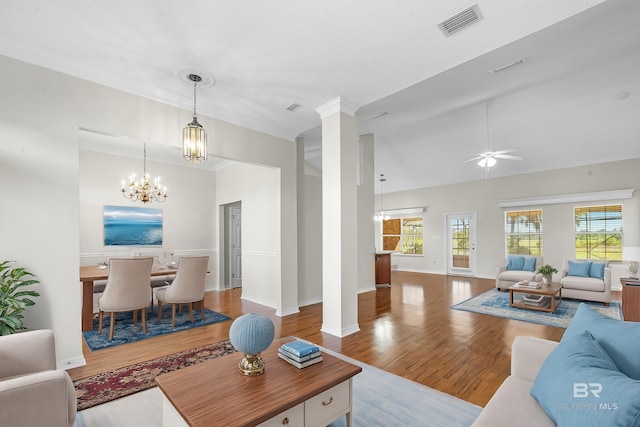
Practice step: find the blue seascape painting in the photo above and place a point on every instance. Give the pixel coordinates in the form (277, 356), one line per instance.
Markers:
(132, 226)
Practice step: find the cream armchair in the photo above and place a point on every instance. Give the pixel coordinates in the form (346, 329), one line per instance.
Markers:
(32, 391)
(186, 288)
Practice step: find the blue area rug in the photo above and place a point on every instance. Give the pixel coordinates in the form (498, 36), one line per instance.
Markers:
(125, 331)
(382, 399)
(496, 303)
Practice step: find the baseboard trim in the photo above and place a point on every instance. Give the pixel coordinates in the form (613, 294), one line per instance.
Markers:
(74, 362)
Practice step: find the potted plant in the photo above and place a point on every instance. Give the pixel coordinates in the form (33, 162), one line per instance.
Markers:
(547, 272)
(13, 297)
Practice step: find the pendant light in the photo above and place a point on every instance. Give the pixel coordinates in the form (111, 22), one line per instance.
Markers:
(380, 216)
(194, 137)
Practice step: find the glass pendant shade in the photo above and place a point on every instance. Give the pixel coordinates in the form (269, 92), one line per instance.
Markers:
(194, 142)
(194, 137)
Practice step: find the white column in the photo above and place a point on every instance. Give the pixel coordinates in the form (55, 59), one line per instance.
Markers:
(339, 218)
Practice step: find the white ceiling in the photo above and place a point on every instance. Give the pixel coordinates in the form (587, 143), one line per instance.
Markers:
(559, 108)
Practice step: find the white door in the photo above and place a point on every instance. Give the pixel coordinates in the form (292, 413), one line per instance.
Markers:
(235, 245)
(461, 244)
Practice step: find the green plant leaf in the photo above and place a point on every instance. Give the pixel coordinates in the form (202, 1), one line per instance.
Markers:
(13, 299)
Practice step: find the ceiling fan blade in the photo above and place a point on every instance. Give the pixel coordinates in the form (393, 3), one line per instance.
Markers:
(474, 159)
(502, 152)
(507, 156)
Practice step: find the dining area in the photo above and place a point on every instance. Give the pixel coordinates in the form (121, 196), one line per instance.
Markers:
(123, 284)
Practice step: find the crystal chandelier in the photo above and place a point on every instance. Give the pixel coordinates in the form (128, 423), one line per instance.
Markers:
(143, 191)
(381, 216)
(194, 137)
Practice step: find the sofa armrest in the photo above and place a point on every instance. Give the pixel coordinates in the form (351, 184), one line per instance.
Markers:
(528, 354)
(607, 279)
(501, 269)
(27, 352)
(44, 398)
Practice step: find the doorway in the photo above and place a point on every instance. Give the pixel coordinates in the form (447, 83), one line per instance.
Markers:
(233, 245)
(461, 244)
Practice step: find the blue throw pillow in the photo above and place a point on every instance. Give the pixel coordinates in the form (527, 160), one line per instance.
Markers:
(529, 264)
(579, 268)
(597, 270)
(621, 340)
(579, 385)
(515, 262)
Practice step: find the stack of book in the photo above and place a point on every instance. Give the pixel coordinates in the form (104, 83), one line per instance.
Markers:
(537, 300)
(528, 284)
(300, 354)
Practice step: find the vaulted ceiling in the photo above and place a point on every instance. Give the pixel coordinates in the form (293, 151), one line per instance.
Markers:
(572, 98)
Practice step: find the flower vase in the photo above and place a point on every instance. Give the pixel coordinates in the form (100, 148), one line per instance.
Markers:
(546, 280)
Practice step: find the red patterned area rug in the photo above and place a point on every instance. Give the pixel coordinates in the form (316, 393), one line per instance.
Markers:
(108, 386)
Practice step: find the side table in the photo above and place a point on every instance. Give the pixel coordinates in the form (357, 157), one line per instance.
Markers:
(630, 298)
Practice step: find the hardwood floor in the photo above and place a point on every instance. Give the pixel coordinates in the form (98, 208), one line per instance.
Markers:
(407, 329)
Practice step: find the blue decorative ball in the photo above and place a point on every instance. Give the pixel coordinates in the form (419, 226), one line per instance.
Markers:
(252, 333)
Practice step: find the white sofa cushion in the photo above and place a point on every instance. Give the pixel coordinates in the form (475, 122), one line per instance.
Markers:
(583, 283)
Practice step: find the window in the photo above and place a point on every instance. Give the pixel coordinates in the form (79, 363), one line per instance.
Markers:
(402, 234)
(523, 232)
(599, 232)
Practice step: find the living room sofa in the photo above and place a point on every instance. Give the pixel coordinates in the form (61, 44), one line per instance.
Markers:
(590, 378)
(516, 269)
(585, 279)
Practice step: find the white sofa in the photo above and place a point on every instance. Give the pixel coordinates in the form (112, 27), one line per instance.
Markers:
(512, 404)
(32, 391)
(585, 288)
(590, 378)
(506, 277)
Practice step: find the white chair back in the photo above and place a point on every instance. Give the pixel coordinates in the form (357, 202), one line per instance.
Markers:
(188, 286)
(128, 284)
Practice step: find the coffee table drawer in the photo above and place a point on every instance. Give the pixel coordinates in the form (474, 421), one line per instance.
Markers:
(291, 418)
(327, 406)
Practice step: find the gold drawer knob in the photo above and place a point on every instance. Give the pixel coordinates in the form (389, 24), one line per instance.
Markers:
(285, 421)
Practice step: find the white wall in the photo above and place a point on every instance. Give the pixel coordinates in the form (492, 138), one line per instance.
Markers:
(483, 197)
(310, 241)
(258, 188)
(41, 112)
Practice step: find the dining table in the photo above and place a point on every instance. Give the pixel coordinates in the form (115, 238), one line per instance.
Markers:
(90, 273)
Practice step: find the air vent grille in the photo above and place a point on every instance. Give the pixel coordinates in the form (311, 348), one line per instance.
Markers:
(293, 107)
(461, 20)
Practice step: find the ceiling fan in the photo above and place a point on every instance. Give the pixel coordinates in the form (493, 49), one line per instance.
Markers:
(488, 158)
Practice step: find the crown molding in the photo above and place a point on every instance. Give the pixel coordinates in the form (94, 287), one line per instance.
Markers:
(337, 105)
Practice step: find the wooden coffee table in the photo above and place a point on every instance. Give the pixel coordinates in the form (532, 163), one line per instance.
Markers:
(214, 393)
(551, 290)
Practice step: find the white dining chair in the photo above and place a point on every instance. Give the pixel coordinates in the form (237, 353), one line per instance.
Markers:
(186, 288)
(127, 289)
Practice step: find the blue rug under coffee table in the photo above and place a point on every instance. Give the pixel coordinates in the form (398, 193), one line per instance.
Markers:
(496, 303)
(126, 331)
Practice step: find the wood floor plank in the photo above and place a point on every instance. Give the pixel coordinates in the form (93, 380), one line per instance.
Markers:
(407, 329)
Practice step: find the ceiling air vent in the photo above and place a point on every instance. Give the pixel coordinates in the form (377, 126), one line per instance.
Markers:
(460, 20)
(293, 107)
